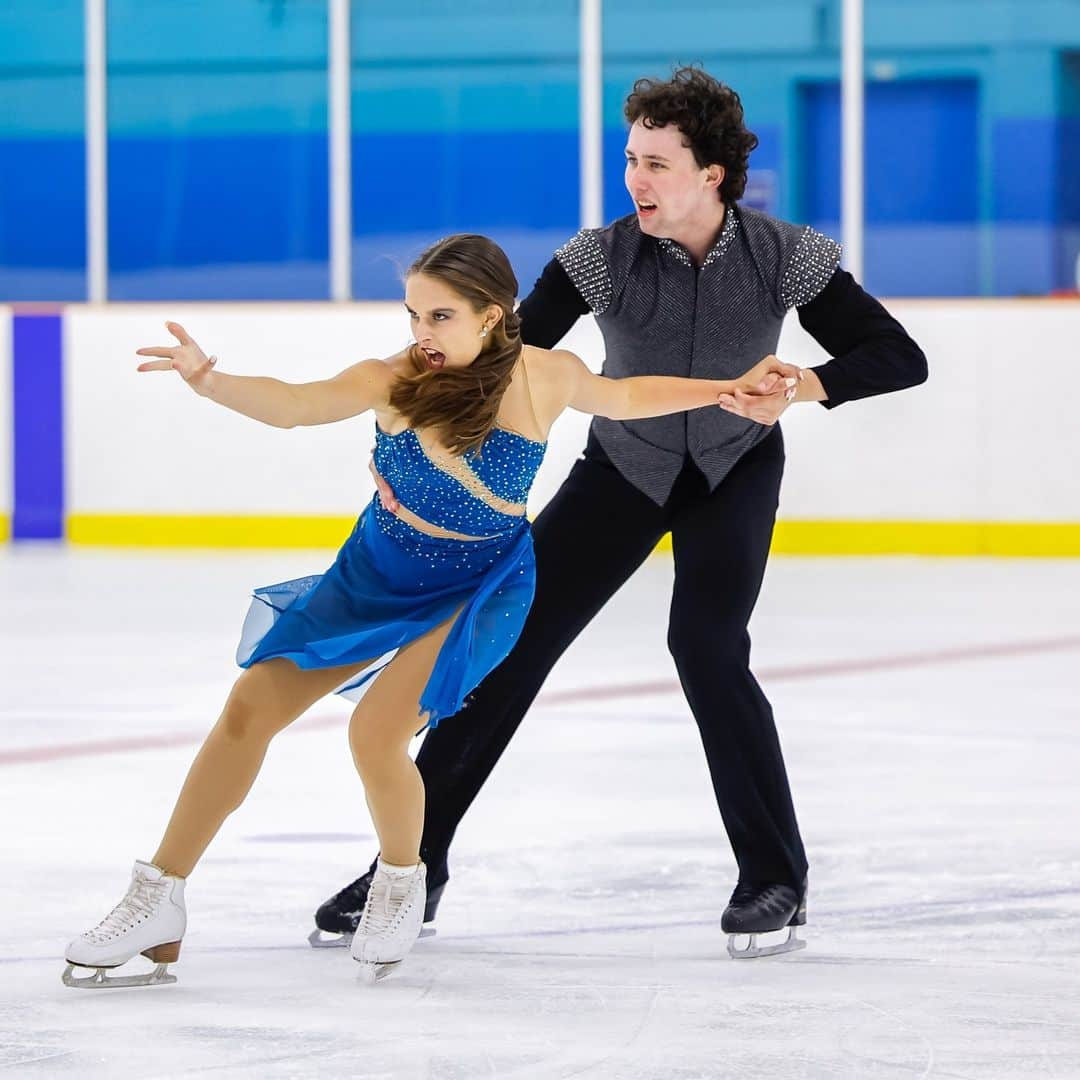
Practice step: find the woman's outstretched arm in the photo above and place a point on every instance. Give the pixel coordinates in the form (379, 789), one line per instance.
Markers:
(644, 396)
(363, 386)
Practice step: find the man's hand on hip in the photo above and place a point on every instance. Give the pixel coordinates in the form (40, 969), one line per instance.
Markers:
(384, 490)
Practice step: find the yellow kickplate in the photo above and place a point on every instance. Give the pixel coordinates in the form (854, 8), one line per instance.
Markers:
(974, 538)
(209, 530)
(960, 538)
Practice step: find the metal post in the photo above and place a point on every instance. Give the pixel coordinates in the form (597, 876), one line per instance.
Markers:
(852, 148)
(97, 121)
(591, 114)
(340, 124)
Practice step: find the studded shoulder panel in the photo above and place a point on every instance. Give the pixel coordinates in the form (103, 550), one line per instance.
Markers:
(811, 264)
(585, 263)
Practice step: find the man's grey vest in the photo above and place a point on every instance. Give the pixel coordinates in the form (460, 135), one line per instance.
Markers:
(660, 315)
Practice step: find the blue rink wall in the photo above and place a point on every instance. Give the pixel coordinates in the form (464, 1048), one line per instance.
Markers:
(96, 453)
(466, 119)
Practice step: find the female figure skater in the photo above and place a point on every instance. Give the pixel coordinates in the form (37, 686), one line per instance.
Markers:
(443, 583)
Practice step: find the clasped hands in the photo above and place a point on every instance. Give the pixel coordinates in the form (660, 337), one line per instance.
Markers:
(764, 392)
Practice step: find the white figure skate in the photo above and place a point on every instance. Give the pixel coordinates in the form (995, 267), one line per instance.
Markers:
(150, 920)
(391, 922)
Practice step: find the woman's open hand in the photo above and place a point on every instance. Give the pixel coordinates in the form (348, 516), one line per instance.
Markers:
(193, 365)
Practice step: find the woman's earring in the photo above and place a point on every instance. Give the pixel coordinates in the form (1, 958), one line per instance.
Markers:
(484, 332)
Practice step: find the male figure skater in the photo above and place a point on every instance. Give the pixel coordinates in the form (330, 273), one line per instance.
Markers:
(689, 283)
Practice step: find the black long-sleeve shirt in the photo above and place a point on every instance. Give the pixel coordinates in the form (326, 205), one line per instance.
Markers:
(871, 352)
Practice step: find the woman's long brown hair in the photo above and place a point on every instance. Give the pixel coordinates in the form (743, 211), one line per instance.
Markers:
(461, 403)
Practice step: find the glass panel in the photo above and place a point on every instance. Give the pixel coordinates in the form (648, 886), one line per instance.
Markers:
(218, 166)
(972, 127)
(745, 45)
(464, 120)
(1067, 261)
(42, 151)
(917, 132)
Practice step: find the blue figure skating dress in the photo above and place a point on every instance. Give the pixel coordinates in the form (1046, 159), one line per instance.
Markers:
(390, 583)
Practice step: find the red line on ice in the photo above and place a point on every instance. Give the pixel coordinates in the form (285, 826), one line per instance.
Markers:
(817, 670)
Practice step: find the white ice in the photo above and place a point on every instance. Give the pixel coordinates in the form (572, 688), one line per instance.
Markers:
(928, 710)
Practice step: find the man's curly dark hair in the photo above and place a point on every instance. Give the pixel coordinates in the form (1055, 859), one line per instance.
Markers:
(708, 113)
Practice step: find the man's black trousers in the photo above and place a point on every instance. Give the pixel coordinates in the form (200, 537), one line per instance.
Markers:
(589, 539)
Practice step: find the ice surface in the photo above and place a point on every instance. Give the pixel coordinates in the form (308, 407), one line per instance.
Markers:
(929, 715)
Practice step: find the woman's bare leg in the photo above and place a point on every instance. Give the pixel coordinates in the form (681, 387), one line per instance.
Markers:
(382, 727)
(264, 700)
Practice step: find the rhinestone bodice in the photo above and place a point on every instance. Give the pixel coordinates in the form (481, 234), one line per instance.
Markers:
(470, 494)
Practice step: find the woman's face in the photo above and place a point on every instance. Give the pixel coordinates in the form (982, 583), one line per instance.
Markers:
(445, 326)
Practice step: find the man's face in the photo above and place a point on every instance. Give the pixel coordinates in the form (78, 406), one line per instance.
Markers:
(671, 192)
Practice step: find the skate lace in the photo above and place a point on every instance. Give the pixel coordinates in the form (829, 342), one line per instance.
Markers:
(143, 897)
(768, 897)
(387, 900)
(745, 894)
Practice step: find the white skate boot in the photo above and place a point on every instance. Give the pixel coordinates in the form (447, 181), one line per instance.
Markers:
(150, 920)
(391, 922)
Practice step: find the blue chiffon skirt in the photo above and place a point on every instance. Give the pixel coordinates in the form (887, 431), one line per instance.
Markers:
(389, 585)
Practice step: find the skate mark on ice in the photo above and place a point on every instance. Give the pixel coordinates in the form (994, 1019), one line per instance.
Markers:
(228, 1037)
(916, 911)
(897, 1023)
(10, 1059)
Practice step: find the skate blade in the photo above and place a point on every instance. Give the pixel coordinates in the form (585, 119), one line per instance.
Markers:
(371, 973)
(317, 940)
(101, 980)
(753, 951)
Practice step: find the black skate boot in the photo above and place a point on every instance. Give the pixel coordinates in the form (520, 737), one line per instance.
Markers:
(341, 913)
(763, 909)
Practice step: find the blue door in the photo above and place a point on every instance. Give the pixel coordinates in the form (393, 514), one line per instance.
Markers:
(922, 236)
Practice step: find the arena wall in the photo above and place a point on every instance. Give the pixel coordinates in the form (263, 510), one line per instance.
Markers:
(979, 460)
